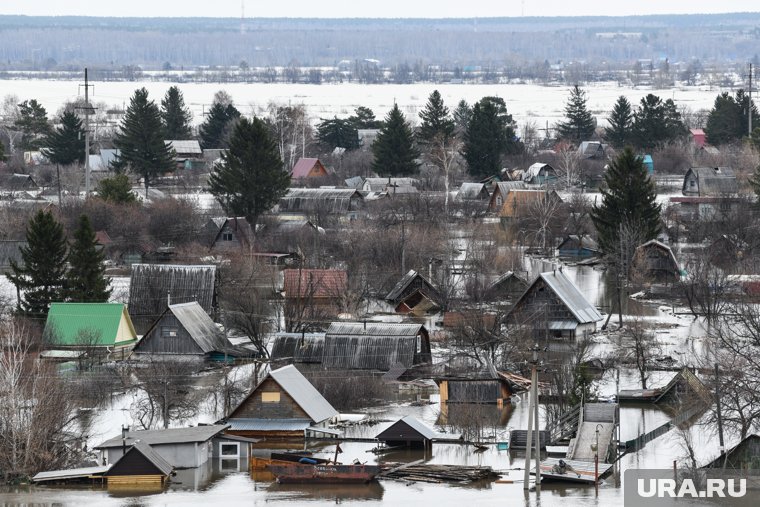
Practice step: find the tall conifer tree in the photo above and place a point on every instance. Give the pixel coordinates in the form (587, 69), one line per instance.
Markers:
(618, 133)
(65, 146)
(579, 124)
(490, 135)
(436, 120)
(215, 129)
(175, 116)
(85, 279)
(394, 151)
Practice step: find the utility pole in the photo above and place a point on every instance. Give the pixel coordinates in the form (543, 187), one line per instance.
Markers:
(720, 417)
(749, 106)
(87, 112)
(533, 420)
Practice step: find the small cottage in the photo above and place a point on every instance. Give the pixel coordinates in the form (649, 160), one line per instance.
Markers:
(473, 192)
(500, 192)
(507, 286)
(656, 262)
(408, 432)
(484, 386)
(375, 346)
(592, 150)
(234, 235)
(685, 388)
(744, 456)
(94, 326)
(16, 182)
(185, 331)
(283, 405)
(140, 467)
(308, 168)
(578, 246)
(321, 289)
(522, 203)
(554, 306)
(710, 182)
(539, 174)
(411, 282)
(187, 153)
(180, 447)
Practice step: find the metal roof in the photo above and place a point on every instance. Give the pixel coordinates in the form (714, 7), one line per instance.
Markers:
(373, 329)
(574, 300)
(413, 423)
(169, 436)
(396, 292)
(185, 147)
(305, 394)
(150, 454)
(200, 327)
(303, 167)
(72, 473)
(563, 325)
(105, 324)
(61, 354)
(269, 424)
(471, 191)
(713, 180)
(298, 347)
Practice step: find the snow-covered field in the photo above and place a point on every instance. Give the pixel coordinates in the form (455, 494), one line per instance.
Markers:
(526, 102)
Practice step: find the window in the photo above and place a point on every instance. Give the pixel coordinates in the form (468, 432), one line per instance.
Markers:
(227, 236)
(168, 331)
(270, 397)
(230, 450)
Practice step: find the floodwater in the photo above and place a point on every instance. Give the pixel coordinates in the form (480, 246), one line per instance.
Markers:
(526, 102)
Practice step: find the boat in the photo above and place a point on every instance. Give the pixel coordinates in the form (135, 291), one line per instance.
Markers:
(290, 473)
(258, 463)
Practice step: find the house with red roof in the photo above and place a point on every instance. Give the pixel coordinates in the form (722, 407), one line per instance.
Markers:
(308, 168)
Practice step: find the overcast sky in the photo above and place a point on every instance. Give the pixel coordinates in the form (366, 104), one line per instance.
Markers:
(370, 8)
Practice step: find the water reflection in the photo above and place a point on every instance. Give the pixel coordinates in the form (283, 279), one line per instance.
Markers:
(336, 492)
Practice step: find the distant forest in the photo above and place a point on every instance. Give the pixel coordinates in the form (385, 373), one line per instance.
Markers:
(68, 43)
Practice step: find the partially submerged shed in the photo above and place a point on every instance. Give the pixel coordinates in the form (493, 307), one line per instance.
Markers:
(578, 246)
(141, 466)
(656, 262)
(484, 386)
(408, 432)
(744, 456)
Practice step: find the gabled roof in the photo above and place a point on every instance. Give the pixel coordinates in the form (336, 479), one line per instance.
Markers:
(162, 466)
(301, 390)
(425, 432)
(240, 226)
(402, 284)
(189, 147)
(199, 326)
(583, 311)
(507, 276)
(315, 283)
(585, 241)
(65, 321)
(303, 167)
(202, 433)
(713, 180)
(653, 243)
(469, 191)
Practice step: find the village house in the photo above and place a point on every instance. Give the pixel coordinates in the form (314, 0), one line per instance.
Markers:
(593, 150)
(410, 283)
(321, 289)
(473, 192)
(655, 262)
(305, 202)
(141, 466)
(575, 246)
(14, 183)
(553, 306)
(187, 154)
(308, 168)
(500, 192)
(283, 405)
(408, 432)
(710, 182)
(694, 208)
(539, 174)
(181, 447)
(153, 287)
(506, 287)
(185, 332)
(96, 328)
(521, 203)
(743, 458)
(486, 385)
(233, 235)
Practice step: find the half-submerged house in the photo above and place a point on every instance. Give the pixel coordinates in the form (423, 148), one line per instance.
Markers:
(656, 262)
(283, 405)
(578, 246)
(408, 432)
(375, 346)
(185, 331)
(141, 466)
(553, 305)
(487, 386)
(507, 286)
(104, 327)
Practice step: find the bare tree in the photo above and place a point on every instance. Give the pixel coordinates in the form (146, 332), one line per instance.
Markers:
(444, 153)
(706, 288)
(639, 347)
(569, 166)
(542, 216)
(166, 393)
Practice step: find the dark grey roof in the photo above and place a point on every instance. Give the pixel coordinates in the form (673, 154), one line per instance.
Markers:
(505, 277)
(714, 180)
(374, 346)
(355, 182)
(402, 284)
(505, 186)
(471, 191)
(168, 436)
(151, 455)
(304, 394)
(326, 199)
(298, 347)
(153, 285)
(586, 242)
(417, 426)
(574, 300)
(200, 327)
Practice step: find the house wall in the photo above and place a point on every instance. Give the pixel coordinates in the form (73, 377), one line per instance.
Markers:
(244, 448)
(124, 333)
(155, 343)
(254, 408)
(185, 455)
(691, 184)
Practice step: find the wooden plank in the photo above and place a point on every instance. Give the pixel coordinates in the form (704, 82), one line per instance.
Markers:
(401, 467)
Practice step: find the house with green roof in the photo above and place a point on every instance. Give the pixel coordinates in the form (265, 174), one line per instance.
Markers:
(90, 325)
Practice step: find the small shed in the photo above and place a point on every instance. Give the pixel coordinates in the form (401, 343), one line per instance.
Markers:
(539, 174)
(500, 192)
(408, 432)
(308, 168)
(569, 315)
(592, 150)
(375, 346)
(710, 182)
(185, 331)
(141, 466)
(656, 262)
(412, 281)
(473, 192)
(578, 246)
(180, 447)
(648, 163)
(484, 386)
(683, 389)
(698, 137)
(283, 405)
(105, 326)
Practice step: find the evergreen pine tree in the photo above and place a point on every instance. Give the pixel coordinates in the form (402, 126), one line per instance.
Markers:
(116, 189)
(656, 123)
(215, 130)
(250, 179)
(629, 198)
(85, 279)
(394, 151)
(620, 123)
(490, 135)
(728, 119)
(65, 146)
(436, 121)
(337, 133)
(32, 121)
(40, 275)
(364, 118)
(461, 116)
(175, 116)
(140, 139)
(579, 125)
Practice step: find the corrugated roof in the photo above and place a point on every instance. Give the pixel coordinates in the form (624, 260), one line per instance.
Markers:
(713, 180)
(269, 424)
(200, 327)
(315, 283)
(151, 286)
(304, 393)
(168, 436)
(187, 147)
(71, 473)
(374, 346)
(413, 423)
(298, 347)
(472, 191)
(303, 167)
(563, 325)
(574, 300)
(332, 200)
(373, 329)
(69, 324)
